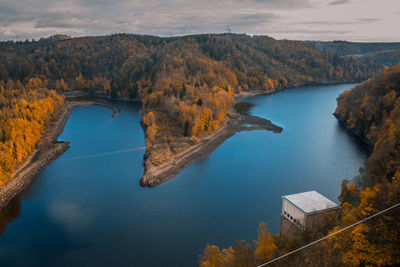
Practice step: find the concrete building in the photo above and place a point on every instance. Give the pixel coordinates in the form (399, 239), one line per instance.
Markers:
(307, 210)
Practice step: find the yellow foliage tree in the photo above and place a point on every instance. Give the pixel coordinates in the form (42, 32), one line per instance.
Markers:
(265, 246)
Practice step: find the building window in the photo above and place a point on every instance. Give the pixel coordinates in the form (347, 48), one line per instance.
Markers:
(291, 217)
(284, 212)
(294, 220)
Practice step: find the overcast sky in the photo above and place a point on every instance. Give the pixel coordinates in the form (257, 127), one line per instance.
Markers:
(353, 20)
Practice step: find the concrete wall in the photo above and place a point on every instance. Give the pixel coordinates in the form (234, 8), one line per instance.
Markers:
(294, 220)
(288, 228)
(320, 221)
(292, 213)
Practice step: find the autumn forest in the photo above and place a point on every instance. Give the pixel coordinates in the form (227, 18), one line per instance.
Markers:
(187, 87)
(187, 84)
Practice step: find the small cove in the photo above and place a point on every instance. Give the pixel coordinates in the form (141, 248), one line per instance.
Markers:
(93, 210)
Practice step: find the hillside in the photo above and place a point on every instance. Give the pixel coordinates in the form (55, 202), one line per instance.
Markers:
(372, 111)
(388, 58)
(187, 84)
(25, 112)
(384, 54)
(344, 48)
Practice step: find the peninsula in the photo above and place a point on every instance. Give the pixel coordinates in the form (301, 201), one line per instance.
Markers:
(187, 86)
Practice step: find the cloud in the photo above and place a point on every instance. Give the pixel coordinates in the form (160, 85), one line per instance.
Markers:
(312, 32)
(368, 20)
(41, 18)
(339, 2)
(141, 16)
(338, 23)
(64, 20)
(285, 4)
(324, 22)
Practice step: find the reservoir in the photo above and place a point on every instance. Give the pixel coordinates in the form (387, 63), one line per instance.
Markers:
(90, 210)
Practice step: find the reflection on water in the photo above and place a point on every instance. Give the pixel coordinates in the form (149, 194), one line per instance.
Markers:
(9, 213)
(92, 210)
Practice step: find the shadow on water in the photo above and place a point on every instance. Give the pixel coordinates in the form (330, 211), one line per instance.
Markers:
(354, 139)
(92, 211)
(243, 107)
(9, 213)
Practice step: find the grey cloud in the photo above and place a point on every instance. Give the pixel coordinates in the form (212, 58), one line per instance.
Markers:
(368, 20)
(333, 23)
(63, 21)
(316, 32)
(339, 2)
(319, 23)
(285, 4)
(40, 18)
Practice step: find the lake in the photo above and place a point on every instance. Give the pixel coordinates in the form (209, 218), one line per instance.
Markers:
(92, 211)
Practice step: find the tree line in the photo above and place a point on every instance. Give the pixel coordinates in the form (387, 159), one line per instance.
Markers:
(25, 112)
(188, 83)
(372, 111)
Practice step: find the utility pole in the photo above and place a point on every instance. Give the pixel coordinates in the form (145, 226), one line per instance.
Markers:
(228, 29)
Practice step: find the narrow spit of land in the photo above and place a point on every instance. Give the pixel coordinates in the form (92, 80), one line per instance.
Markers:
(237, 122)
(47, 150)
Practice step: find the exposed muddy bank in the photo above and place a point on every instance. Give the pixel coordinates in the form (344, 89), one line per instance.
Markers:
(237, 122)
(47, 150)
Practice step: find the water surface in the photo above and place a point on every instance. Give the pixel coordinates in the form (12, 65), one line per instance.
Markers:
(92, 211)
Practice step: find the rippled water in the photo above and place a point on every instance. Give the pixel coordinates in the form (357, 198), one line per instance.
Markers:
(92, 211)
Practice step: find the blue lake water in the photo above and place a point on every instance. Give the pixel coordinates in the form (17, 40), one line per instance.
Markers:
(92, 211)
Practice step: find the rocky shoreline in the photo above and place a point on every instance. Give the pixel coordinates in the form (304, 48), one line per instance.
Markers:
(47, 150)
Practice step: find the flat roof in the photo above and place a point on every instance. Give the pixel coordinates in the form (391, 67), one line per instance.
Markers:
(311, 202)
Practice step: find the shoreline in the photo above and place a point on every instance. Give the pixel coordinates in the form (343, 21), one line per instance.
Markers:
(155, 175)
(47, 150)
(363, 139)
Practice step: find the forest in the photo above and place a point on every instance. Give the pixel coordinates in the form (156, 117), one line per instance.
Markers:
(25, 111)
(344, 48)
(389, 58)
(372, 111)
(186, 84)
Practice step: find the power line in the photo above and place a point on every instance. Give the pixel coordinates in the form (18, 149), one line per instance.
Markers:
(103, 154)
(321, 239)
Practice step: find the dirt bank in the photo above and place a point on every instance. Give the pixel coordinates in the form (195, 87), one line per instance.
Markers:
(155, 175)
(47, 150)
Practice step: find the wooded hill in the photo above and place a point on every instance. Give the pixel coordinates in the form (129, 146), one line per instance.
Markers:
(25, 111)
(344, 48)
(187, 84)
(387, 58)
(372, 111)
(386, 54)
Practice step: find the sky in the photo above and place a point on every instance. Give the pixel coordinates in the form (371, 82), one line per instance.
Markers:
(351, 20)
